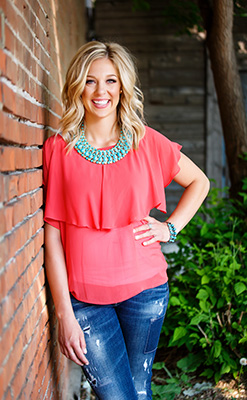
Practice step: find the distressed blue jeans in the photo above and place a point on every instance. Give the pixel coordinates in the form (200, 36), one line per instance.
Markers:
(121, 341)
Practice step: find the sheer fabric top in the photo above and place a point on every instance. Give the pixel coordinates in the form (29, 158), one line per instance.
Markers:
(96, 208)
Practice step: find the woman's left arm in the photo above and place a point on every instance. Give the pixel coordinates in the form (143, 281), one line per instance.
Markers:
(196, 186)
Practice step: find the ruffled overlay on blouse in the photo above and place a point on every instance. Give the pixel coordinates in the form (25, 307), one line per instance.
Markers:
(96, 206)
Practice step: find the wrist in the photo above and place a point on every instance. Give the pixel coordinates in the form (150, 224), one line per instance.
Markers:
(64, 312)
(172, 231)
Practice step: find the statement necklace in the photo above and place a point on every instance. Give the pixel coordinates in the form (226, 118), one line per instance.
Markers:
(98, 156)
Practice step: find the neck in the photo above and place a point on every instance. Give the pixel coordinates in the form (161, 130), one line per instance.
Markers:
(101, 133)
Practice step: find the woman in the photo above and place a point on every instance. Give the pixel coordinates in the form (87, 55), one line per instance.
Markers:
(102, 175)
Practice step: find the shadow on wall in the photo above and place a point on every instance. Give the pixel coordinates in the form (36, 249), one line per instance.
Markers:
(61, 369)
(72, 390)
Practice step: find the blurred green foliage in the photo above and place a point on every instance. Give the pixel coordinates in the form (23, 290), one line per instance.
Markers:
(207, 312)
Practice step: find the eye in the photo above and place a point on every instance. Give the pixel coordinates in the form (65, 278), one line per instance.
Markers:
(89, 81)
(111, 80)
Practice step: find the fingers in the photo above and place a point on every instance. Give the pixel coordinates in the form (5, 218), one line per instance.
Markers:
(75, 353)
(154, 230)
(72, 342)
(151, 241)
(141, 228)
(146, 231)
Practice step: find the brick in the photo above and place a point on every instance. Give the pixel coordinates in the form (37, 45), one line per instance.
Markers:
(1, 29)
(26, 391)
(24, 52)
(1, 385)
(11, 15)
(4, 257)
(1, 92)
(17, 184)
(2, 191)
(9, 38)
(9, 128)
(41, 14)
(2, 63)
(42, 76)
(13, 131)
(9, 98)
(14, 213)
(20, 106)
(8, 395)
(6, 218)
(8, 278)
(28, 29)
(33, 84)
(12, 243)
(12, 70)
(55, 106)
(14, 158)
(29, 330)
(45, 381)
(54, 88)
(17, 383)
(24, 77)
(7, 155)
(52, 120)
(12, 187)
(20, 288)
(29, 181)
(44, 374)
(25, 34)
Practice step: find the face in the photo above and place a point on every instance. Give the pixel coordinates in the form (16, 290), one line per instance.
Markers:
(102, 90)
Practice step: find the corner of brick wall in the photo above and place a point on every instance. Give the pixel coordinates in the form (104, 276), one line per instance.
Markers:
(35, 45)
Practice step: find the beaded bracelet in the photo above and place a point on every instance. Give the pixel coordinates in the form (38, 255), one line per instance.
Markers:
(173, 232)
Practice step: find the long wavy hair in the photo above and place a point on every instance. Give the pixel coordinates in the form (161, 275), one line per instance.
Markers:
(130, 108)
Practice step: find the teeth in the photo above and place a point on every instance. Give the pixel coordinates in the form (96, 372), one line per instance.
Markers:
(101, 102)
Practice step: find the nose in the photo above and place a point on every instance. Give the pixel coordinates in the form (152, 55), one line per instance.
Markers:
(100, 88)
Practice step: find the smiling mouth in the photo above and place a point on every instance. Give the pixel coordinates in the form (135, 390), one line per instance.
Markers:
(101, 102)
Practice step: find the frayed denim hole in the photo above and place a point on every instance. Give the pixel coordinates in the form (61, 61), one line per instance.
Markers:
(153, 334)
(93, 379)
(87, 329)
(90, 378)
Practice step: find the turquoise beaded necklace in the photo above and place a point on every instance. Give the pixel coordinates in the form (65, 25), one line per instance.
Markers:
(97, 156)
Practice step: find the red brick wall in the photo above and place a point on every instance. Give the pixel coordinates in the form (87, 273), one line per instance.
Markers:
(37, 40)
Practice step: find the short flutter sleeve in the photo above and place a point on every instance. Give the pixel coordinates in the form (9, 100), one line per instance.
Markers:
(168, 154)
(109, 196)
(52, 181)
(162, 161)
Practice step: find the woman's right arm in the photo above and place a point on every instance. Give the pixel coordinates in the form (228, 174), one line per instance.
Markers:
(70, 335)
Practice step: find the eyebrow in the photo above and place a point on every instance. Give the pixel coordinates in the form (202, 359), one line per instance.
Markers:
(92, 76)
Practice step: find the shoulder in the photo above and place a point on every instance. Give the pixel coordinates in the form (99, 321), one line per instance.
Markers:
(156, 142)
(53, 142)
(54, 148)
(154, 137)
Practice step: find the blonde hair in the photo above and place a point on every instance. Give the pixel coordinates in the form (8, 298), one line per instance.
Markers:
(130, 107)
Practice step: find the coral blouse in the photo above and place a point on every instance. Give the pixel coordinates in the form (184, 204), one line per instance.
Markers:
(96, 208)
